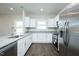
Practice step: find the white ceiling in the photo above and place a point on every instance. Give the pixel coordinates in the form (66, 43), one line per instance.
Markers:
(72, 10)
(32, 8)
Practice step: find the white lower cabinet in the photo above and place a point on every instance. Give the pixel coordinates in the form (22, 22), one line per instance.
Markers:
(42, 38)
(49, 37)
(34, 37)
(20, 47)
(23, 45)
(28, 42)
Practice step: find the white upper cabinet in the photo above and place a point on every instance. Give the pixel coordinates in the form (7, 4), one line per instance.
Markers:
(33, 23)
(51, 23)
(28, 22)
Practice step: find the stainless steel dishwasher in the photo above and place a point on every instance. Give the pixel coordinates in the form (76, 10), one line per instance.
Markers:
(9, 50)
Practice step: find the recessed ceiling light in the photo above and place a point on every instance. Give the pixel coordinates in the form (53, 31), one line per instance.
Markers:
(41, 9)
(11, 8)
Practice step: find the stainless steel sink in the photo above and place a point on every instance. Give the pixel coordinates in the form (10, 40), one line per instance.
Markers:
(14, 36)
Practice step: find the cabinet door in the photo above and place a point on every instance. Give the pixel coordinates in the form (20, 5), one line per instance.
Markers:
(33, 23)
(26, 21)
(34, 38)
(49, 37)
(28, 42)
(20, 48)
(41, 37)
(51, 23)
(23, 45)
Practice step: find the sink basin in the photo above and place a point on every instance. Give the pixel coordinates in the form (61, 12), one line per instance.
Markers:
(14, 36)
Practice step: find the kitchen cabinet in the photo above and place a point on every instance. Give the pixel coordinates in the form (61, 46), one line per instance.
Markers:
(20, 47)
(49, 37)
(51, 23)
(42, 38)
(28, 22)
(28, 42)
(23, 45)
(34, 37)
(33, 23)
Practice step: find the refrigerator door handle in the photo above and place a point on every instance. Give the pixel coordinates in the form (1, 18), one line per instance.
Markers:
(68, 34)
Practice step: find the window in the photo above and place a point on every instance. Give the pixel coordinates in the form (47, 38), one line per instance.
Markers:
(19, 27)
(19, 24)
(41, 24)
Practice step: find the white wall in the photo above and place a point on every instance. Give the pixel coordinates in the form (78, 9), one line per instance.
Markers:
(7, 22)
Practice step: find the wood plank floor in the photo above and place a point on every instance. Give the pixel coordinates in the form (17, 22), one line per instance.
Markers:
(41, 49)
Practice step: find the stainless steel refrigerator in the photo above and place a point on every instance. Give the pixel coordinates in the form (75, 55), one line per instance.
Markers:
(69, 32)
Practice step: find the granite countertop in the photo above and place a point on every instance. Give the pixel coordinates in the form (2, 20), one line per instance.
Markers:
(4, 40)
